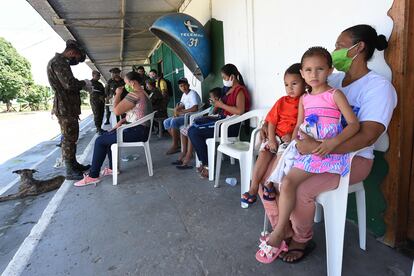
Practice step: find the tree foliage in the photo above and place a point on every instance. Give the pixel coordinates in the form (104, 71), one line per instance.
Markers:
(37, 97)
(15, 73)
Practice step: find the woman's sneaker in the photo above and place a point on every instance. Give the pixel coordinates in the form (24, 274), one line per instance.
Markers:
(106, 172)
(87, 180)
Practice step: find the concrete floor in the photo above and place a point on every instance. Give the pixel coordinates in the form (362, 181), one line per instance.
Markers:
(175, 223)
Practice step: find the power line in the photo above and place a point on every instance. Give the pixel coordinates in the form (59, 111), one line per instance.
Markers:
(36, 43)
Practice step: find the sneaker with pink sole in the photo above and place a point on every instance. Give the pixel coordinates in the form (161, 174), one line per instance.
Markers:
(87, 180)
(107, 171)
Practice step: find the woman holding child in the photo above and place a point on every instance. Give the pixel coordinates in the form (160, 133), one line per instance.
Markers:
(371, 97)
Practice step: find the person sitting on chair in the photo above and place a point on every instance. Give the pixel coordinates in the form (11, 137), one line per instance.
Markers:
(190, 102)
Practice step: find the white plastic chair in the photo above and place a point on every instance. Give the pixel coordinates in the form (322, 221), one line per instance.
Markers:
(334, 205)
(121, 144)
(189, 122)
(212, 145)
(412, 271)
(243, 151)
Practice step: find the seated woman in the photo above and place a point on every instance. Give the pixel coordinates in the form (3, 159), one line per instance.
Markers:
(235, 102)
(136, 105)
(373, 99)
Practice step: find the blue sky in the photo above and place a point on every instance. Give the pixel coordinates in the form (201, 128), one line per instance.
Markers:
(33, 38)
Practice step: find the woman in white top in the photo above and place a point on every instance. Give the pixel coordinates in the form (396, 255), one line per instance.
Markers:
(373, 99)
(136, 105)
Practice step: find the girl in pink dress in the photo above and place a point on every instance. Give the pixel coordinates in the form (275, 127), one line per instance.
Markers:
(319, 116)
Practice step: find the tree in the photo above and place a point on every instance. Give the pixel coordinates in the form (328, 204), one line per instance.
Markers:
(15, 73)
(36, 97)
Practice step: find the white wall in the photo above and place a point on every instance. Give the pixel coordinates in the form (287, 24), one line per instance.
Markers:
(262, 38)
(285, 29)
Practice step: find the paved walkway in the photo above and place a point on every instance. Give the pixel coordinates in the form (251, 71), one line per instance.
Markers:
(175, 223)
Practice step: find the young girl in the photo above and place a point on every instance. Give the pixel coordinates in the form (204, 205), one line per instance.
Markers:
(324, 106)
(281, 121)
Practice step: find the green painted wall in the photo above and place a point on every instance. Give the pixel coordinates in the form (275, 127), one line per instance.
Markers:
(170, 63)
(215, 30)
(375, 201)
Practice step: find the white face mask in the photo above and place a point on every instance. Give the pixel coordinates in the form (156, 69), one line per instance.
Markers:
(228, 83)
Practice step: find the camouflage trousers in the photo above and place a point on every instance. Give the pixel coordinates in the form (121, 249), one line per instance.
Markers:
(69, 127)
(98, 108)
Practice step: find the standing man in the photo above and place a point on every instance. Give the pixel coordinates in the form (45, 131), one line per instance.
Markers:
(113, 83)
(97, 100)
(190, 101)
(67, 102)
(161, 84)
(141, 72)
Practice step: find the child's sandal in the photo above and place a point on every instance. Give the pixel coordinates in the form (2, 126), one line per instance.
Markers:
(248, 198)
(267, 254)
(268, 192)
(204, 172)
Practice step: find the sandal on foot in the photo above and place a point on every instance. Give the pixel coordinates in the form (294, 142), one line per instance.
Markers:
(184, 167)
(172, 151)
(267, 254)
(305, 252)
(248, 198)
(267, 192)
(204, 172)
(264, 237)
(177, 163)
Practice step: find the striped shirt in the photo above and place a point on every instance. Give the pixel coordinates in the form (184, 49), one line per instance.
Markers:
(142, 107)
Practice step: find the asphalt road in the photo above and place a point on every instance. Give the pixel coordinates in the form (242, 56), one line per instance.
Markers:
(22, 131)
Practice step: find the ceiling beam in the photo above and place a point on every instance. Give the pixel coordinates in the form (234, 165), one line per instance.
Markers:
(131, 15)
(121, 51)
(58, 21)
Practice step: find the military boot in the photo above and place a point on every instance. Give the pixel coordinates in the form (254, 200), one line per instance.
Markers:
(81, 168)
(71, 172)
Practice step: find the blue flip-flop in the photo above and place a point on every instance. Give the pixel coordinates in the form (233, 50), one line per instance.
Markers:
(248, 198)
(266, 193)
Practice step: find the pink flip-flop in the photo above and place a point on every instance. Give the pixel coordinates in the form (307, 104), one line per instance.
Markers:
(267, 254)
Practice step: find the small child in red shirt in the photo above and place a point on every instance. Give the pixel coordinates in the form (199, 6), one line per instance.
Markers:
(281, 119)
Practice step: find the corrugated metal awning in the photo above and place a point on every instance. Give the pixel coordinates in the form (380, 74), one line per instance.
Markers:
(113, 32)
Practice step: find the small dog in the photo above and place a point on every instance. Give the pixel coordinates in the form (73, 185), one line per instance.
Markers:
(32, 187)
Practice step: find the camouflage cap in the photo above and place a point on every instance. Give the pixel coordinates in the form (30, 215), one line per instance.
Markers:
(73, 44)
(114, 70)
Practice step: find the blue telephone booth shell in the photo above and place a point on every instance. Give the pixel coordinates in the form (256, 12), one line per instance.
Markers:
(187, 38)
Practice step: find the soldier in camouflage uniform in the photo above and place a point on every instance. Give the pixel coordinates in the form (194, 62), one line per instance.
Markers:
(113, 83)
(97, 100)
(66, 105)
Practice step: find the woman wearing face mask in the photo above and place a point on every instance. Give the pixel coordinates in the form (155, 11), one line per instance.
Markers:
(235, 101)
(373, 99)
(136, 105)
